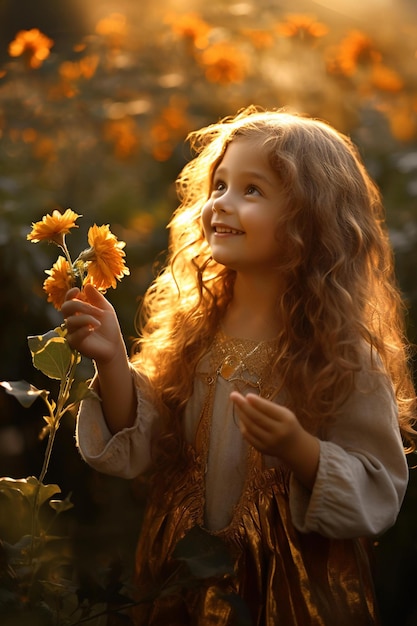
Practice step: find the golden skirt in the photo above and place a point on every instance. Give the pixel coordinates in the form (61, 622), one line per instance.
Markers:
(285, 578)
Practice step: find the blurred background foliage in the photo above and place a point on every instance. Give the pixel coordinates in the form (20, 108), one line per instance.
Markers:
(96, 100)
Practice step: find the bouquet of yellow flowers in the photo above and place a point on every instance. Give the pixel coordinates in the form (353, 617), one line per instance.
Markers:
(100, 264)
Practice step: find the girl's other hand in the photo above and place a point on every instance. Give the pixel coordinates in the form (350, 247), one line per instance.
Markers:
(274, 430)
(92, 325)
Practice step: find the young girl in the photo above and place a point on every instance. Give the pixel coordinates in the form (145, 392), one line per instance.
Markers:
(269, 387)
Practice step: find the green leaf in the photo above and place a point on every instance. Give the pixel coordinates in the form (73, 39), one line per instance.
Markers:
(82, 391)
(53, 357)
(204, 554)
(38, 342)
(62, 505)
(23, 391)
(28, 487)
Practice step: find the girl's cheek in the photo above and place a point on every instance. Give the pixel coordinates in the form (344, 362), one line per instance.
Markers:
(206, 214)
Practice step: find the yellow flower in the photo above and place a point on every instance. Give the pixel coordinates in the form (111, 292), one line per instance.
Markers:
(105, 258)
(53, 227)
(33, 44)
(61, 278)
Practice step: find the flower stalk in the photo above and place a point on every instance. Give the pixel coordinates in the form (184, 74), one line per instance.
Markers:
(102, 264)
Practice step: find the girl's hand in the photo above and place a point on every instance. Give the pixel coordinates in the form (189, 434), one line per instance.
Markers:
(92, 325)
(274, 430)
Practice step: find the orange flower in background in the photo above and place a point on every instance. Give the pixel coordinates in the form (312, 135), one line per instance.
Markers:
(61, 278)
(53, 227)
(386, 79)
(29, 135)
(191, 27)
(114, 29)
(124, 136)
(45, 149)
(105, 258)
(168, 128)
(33, 44)
(224, 63)
(259, 38)
(354, 50)
(84, 68)
(299, 26)
(402, 120)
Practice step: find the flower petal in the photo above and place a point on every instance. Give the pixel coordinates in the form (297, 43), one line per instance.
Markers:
(108, 262)
(60, 279)
(53, 227)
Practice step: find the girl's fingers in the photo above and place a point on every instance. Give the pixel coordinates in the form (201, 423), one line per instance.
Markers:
(250, 409)
(72, 293)
(255, 405)
(254, 424)
(95, 297)
(75, 322)
(266, 407)
(263, 422)
(90, 295)
(78, 307)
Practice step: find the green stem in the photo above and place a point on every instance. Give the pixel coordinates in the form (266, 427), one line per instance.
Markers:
(65, 250)
(75, 268)
(47, 456)
(60, 409)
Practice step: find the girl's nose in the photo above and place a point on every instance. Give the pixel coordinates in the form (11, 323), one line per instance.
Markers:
(219, 205)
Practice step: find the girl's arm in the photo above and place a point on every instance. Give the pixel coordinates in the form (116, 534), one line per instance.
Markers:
(93, 330)
(354, 483)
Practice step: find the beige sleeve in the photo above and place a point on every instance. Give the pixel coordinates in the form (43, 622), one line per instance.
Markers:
(362, 474)
(125, 454)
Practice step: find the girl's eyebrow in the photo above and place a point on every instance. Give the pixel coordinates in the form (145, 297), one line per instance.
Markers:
(253, 174)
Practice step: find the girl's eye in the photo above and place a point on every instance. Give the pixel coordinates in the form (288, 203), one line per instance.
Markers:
(252, 190)
(218, 185)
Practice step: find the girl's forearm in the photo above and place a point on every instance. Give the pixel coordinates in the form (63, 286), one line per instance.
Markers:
(303, 458)
(117, 392)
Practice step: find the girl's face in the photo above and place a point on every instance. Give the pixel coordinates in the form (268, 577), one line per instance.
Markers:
(241, 217)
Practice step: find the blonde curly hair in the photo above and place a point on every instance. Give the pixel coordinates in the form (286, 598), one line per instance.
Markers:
(340, 295)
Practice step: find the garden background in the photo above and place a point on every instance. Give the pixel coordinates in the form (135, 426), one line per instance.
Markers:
(96, 99)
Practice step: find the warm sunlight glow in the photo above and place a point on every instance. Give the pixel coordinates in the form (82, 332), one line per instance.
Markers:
(353, 7)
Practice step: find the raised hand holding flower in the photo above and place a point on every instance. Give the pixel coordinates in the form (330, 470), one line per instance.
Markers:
(95, 269)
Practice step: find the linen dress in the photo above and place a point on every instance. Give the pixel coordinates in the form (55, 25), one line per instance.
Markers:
(300, 557)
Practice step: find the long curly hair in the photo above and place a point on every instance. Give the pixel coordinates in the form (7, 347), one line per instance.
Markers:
(341, 295)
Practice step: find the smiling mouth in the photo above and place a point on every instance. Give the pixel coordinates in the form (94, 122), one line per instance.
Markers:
(223, 230)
